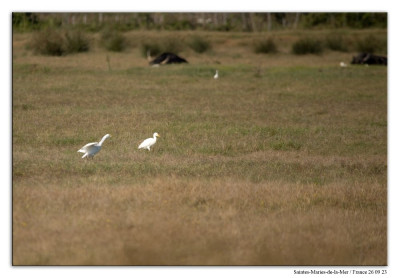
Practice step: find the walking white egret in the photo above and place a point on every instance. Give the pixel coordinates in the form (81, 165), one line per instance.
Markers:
(91, 149)
(146, 144)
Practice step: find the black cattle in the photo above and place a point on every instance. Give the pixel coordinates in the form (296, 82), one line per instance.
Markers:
(167, 58)
(369, 59)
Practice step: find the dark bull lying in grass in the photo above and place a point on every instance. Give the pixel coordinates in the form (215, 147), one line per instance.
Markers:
(165, 58)
(369, 59)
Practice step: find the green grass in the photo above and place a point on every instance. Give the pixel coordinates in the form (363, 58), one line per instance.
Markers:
(248, 168)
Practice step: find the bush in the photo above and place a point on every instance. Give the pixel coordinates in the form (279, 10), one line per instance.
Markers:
(163, 45)
(371, 44)
(113, 40)
(199, 44)
(58, 43)
(48, 42)
(336, 42)
(76, 41)
(171, 44)
(307, 45)
(153, 49)
(265, 46)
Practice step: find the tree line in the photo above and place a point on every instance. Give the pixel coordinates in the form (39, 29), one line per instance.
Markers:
(248, 22)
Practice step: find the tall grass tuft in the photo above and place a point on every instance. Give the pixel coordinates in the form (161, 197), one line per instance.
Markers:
(57, 43)
(371, 44)
(76, 41)
(151, 47)
(48, 42)
(113, 40)
(336, 42)
(307, 46)
(155, 47)
(199, 44)
(265, 46)
(171, 44)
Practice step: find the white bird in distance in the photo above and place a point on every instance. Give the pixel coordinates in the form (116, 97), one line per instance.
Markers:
(216, 74)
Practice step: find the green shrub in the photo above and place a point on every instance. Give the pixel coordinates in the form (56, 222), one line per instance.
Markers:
(171, 44)
(371, 44)
(58, 43)
(76, 41)
(199, 44)
(265, 46)
(113, 40)
(151, 47)
(48, 42)
(306, 46)
(336, 42)
(162, 45)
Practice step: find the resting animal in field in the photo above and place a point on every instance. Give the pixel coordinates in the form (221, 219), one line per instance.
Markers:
(165, 58)
(369, 59)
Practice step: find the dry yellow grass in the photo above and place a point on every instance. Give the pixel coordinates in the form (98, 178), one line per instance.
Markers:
(281, 161)
(201, 222)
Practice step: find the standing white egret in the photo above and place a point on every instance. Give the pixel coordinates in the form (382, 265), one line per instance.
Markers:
(91, 149)
(216, 74)
(146, 144)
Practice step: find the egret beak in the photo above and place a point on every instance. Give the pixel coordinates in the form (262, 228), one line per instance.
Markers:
(158, 135)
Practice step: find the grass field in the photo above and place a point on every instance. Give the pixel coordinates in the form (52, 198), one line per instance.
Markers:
(281, 161)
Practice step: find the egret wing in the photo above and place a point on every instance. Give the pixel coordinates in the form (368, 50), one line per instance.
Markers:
(87, 147)
(145, 143)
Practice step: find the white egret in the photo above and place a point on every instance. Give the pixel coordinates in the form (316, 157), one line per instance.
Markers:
(343, 64)
(91, 149)
(216, 74)
(146, 144)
